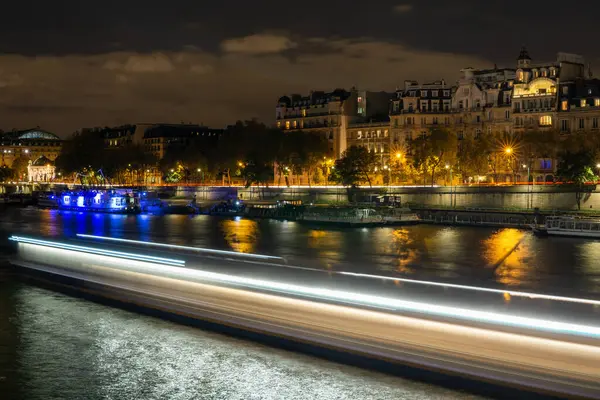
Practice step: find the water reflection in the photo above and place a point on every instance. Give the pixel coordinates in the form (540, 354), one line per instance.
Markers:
(505, 251)
(424, 251)
(241, 235)
(48, 225)
(328, 246)
(406, 252)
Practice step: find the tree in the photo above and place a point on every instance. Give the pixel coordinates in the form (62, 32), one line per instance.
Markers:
(432, 151)
(577, 168)
(19, 167)
(6, 173)
(473, 156)
(356, 163)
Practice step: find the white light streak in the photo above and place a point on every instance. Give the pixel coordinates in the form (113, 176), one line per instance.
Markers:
(110, 253)
(358, 299)
(475, 288)
(174, 246)
(529, 295)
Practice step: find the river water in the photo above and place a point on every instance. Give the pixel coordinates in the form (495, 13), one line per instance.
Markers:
(53, 346)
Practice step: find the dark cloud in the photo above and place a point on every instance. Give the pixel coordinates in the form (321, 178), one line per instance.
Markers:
(68, 64)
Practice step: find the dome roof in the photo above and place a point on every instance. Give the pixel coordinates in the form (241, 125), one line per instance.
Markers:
(285, 100)
(40, 162)
(35, 133)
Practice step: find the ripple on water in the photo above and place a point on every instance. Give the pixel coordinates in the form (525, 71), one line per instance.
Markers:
(72, 348)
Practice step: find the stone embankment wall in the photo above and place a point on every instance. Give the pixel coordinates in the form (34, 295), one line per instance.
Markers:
(546, 197)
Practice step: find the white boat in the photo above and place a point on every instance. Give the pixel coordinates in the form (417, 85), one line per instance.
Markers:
(569, 226)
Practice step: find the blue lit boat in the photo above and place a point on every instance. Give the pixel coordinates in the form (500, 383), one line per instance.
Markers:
(102, 201)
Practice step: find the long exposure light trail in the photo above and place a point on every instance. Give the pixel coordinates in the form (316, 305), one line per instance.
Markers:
(188, 248)
(90, 250)
(512, 293)
(358, 299)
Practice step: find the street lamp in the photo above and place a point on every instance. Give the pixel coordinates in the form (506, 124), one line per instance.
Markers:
(527, 166)
(449, 169)
(389, 170)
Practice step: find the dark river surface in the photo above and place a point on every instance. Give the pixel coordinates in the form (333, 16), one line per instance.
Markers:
(53, 346)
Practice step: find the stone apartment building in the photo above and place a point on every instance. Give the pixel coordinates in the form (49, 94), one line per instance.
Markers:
(503, 102)
(331, 113)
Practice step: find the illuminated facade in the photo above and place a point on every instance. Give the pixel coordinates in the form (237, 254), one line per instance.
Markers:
(29, 145)
(374, 136)
(330, 113)
(41, 170)
(501, 103)
(416, 109)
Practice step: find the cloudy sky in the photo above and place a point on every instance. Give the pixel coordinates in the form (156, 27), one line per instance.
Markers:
(71, 64)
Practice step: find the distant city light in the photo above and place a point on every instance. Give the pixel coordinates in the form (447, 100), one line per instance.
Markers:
(508, 150)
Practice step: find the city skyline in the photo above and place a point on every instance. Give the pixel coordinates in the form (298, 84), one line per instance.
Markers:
(107, 66)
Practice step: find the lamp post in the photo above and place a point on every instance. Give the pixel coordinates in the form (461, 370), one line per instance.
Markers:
(509, 152)
(389, 170)
(398, 162)
(527, 166)
(449, 169)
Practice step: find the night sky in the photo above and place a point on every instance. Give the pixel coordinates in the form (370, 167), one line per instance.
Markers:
(71, 64)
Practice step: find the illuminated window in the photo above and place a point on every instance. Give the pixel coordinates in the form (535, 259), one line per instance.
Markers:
(597, 102)
(287, 124)
(582, 103)
(544, 72)
(564, 105)
(565, 90)
(546, 120)
(552, 71)
(423, 93)
(279, 124)
(359, 135)
(295, 124)
(304, 112)
(361, 110)
(385, 133)
(360, 99)
(535, 73)
(520, 75)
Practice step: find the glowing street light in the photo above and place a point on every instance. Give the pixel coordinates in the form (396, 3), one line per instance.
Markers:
(508, 150)
(447, 166)
(598, 165)
(398, 155)
(199, 170)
